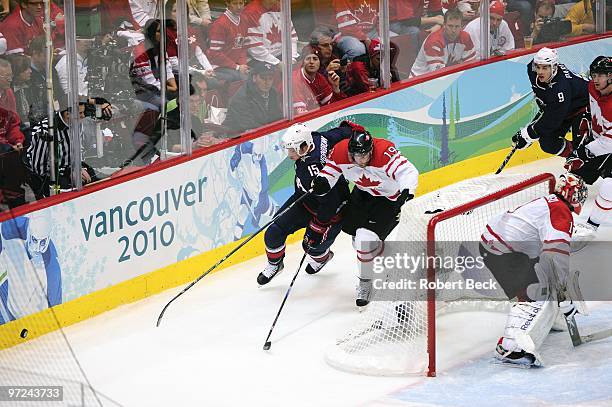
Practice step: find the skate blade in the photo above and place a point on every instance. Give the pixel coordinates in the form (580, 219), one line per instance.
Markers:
(514, 364)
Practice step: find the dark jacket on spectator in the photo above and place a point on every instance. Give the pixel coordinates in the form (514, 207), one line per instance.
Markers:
(248, 109)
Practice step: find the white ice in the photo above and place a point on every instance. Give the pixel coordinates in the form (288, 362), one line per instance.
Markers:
(208, 350)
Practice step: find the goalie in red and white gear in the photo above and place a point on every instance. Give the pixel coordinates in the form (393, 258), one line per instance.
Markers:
(591, 159)
(527, 250)
(384, 180)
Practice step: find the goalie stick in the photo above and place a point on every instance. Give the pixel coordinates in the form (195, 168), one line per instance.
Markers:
(575, 294)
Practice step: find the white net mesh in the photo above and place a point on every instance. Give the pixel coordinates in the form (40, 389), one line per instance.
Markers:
(390, 337)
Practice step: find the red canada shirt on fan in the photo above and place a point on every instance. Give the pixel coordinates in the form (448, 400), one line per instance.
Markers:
(437, 52)
(387, 174)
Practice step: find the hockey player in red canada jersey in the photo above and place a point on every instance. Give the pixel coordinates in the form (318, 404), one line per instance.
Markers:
(384, 180)
(591, 159)
(527, 250)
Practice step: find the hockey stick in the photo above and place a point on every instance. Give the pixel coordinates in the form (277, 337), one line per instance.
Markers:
(281, 213)
(574, 293)
(578, 339)
(508, 157)
(268, 344)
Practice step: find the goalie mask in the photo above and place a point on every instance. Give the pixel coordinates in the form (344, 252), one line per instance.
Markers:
(547, 56)
(38, 234)
(296, 136)
(573, 190)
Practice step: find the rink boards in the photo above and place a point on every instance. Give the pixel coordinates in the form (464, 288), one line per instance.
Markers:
(137, 238)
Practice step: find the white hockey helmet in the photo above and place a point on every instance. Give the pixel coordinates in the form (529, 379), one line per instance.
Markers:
(38, 234)
(296, 135)
(547, 56)
(573, 190)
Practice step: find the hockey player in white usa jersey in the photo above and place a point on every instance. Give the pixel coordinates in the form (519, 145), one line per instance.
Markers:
(527, 250)
(591, 159)
(384, 181)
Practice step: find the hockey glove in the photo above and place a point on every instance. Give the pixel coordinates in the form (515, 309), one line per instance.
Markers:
(578, 158)
(316, 233)
(354, 126)
(522, 139)
(404, 197)
(320, 186)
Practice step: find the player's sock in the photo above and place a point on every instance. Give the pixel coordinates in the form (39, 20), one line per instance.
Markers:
(270, 272)
(316, 263)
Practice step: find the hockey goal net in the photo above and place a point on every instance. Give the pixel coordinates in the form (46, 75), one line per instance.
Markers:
(396, 334)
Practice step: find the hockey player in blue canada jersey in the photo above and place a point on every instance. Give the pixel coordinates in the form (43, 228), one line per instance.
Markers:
(30, 275)
(320, 216)
(562, 97)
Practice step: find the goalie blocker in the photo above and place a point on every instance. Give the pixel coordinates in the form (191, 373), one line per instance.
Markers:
(527, 250)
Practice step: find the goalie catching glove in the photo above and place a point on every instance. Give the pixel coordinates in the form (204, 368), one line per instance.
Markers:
(521, 139)
(316, 233)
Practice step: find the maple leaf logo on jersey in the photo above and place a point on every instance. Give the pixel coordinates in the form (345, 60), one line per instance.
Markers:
(365, 182)
(366, 14)
(274, 36)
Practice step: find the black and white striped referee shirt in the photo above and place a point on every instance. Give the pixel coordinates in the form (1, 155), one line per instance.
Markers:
(38, 151)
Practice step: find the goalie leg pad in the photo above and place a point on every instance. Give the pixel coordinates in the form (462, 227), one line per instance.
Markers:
(527, 326)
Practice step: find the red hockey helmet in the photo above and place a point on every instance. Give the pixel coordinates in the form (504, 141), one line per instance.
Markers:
(573, 190)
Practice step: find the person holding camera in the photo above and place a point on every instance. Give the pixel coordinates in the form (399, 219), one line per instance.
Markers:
(313, 89)
(562, 97)
(37, 155)
(545, 27)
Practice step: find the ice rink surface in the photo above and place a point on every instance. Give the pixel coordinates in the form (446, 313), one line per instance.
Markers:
(208, 350)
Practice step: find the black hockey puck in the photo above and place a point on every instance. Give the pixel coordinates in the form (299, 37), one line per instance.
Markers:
(24, 333)
(267, 345)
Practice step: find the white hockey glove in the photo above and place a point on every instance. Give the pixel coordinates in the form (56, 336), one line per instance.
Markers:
(522, 139)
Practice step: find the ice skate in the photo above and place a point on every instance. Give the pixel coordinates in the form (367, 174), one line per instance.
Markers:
(364, 289)
(313, 266)
(514, 355)
(269, 273)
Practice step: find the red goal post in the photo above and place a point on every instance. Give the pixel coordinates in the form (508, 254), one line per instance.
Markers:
(431, 249)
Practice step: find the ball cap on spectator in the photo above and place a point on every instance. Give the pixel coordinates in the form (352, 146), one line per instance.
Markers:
(497, 7)
(259, 67)
(374, 46)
